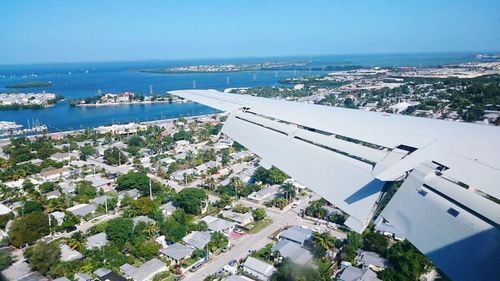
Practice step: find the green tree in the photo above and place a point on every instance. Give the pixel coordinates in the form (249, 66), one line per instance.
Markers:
(259, 214)
(289, 271)
(146, 250)
(5, 260)
(407, 263)
(42, 256)
(47, 187)
(85, 191)
(322, 242)
(375, 242)
(27, 229)
(191, 200)
(217, 241)
(114, 156)
(119, 230)
(32, 206)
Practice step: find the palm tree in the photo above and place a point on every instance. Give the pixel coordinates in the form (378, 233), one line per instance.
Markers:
(238, 184)
(322, 242)
(151, 229)
(289, 190)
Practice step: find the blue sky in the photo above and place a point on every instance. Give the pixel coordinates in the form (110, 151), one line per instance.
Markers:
(69, 31)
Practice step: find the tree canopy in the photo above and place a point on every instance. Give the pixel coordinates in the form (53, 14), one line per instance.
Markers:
(190, 200)
(27, 229)
(43, 256)
(119, 230)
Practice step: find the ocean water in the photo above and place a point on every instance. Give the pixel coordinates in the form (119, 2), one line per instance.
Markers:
(78, 80)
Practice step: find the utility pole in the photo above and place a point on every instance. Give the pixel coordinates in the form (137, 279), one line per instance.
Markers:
(50, 226)
(106, 203)
(150, 191)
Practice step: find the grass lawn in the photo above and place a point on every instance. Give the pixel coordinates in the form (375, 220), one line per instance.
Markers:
(255, 227)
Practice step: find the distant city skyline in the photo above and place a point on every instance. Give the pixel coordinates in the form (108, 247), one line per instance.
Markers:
(50, 31)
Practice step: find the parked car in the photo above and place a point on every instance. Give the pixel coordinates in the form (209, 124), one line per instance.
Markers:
(195, 267)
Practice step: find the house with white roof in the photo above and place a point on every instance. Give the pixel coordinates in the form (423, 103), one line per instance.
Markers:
(98, 240)
(197, 239)
(177, 252)
(82, 209)
(218, 224)
(145, 272)
(258, 269)
(296, 234)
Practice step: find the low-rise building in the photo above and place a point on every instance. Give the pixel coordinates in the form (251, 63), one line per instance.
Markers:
(68, 254)
(241, 219)
(60, 156)
(58, 216)
(258, 269)
(293, 251)
(351, 273)
(218, 224)
(137, 220)
(296, 234)
(197, 239)
(53, 174)
(264, 194)
(177, 252)
(144, 272)
(82, 209)
(167, 209)
(98, 240)
(371, 260)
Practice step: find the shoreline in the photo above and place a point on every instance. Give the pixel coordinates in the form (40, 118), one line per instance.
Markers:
(121, 103)
(2, 140)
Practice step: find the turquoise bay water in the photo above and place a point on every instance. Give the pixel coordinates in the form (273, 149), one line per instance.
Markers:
(77, 80)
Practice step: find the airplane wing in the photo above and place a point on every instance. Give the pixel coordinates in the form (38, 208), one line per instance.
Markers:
(448, 205)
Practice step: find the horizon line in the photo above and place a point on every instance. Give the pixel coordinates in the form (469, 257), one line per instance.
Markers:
(249, 57)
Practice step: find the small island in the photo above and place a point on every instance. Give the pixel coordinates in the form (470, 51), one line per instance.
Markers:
(215, 68)
(123, 99)
(32, 84)
(14, 101)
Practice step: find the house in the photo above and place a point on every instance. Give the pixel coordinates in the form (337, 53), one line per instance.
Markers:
(60, 156)
(101, 200)
(82, 209)
(82, 277)
(177, 252)
(52, 194)
(53, 174)
(4, 210)
(68, 254)
(241, 219)
(197, 239)
(372, 261)
(167, 209)
(137, 220)
(111, 276)
(100, 272)
(388, 229)
(179, 175)
(258, 269)
(351, 273)
(217, 224)
(293, 251)
(58, 216)
(296, 234)
(64, 278)
(99, 182)
(98, 240)
(132, 193)
(67, 187)
(264, 194)
(144, 272)
(33, 276)
(203, 168)
(237, 278)
(16, 271)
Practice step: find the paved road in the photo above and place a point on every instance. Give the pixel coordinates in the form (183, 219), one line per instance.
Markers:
(243, 245)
